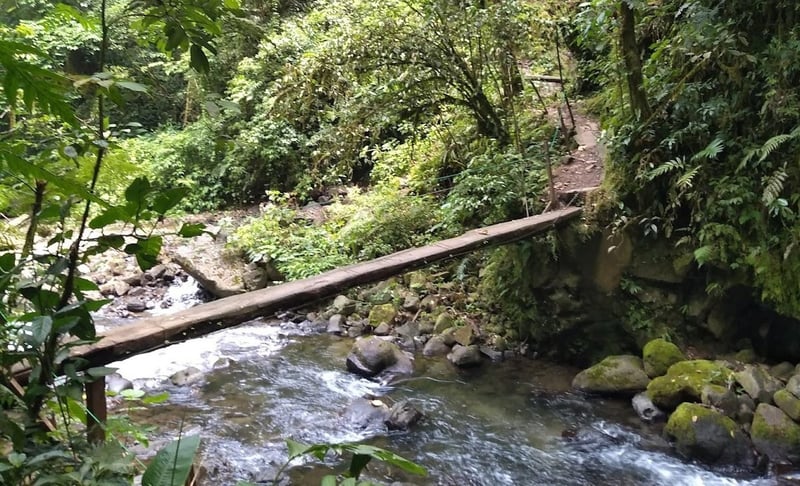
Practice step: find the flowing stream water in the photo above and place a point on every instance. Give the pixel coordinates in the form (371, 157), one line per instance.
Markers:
(510, 423)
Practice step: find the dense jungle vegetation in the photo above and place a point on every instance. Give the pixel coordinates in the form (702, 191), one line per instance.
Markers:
(413, 118)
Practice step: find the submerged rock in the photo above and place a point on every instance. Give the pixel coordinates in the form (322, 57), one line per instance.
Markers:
(465, 356)
(684, 382)
(658, 355)
(371, 356)
(186, 377)
(701, 433)
(646, 409)
(364, 414)
(615, 375)
(402, 416)
(116, 383)
(775, 434)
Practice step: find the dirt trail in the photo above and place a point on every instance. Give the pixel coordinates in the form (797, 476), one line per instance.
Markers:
(583, 167)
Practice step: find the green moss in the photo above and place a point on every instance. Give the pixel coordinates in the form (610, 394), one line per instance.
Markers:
(658, 355)
(788, 403)
(382, 313)
(684, 382)
(774, 433)
(683, 422)
(614, 374)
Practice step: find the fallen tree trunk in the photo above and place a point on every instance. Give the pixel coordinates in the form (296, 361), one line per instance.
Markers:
(154, 332)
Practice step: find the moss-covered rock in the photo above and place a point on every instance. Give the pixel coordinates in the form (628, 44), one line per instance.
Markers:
(615, 375)
(658, 355)
(443, 322)
(721, 398)
(789, 403)
(417, 281)
(684, 382)
(775, 435)
(382, 313)
(701, 433)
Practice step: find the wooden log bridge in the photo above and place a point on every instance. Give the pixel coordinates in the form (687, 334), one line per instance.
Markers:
(153, 332)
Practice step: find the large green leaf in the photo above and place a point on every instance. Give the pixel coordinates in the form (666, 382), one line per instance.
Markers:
(172, 464)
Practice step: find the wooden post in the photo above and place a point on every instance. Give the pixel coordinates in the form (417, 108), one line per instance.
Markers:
(96, 411)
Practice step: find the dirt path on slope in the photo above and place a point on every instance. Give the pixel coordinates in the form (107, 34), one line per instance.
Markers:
(582, 168)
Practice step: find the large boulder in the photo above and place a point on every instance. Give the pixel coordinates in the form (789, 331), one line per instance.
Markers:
(701, 433)
(684, 382)
(775, 434)
(758, 383)
(436, 346)
(793, 385)
(615, 375)
(371, 356)
(382, 313)
(465, 356)
(789, 403)
(658, 355)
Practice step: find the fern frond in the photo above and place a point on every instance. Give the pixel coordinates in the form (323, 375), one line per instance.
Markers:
(666, 167)
(685, 181)
(772, 144)
(711, 151)
(774, 186)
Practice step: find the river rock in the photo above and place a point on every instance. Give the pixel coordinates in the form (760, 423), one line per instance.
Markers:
(417, 281)
(464, 335)
(408, 330)
(344, 305)
(116, 383)
(684, 382)
(443, 322)
(465, 356)
(336, 324)
(614, 375)
(789, 403)
(356, 329)
(721, 398)
(136, 306)
(646, 409)
(775, 434)
(411, 303)
(425, 327)
(701, 433)
(658, 355)
(793, 385)
(186, 377)
(372, 355)
(402, 416)
(382, 313)
(747, 409)
(364, 414)
(436, 346)
(758, 383)
(782, 371)
(383, 329)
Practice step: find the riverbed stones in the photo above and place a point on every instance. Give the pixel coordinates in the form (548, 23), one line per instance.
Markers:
(775, 434)
(383, 329)
(758, 383)
(336, 324)
(464, 335)
(382, 313)
(436, 346)
(615, 375)
(402, 416)
(465, 356)
(411, 303)
(658, 355)
(684, 382)
(443, 321)
(789, 403)
(721, 398)
(701, 433)
(186, 376)
(793, 385)
(344, 305)
(372, 355)
(782, 371)
(646, 409)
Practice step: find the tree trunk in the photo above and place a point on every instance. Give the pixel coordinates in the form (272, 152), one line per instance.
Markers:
(633, 63)
(36, 208)
(489, 122)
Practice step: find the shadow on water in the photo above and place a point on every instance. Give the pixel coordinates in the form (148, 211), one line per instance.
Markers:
(514, 423)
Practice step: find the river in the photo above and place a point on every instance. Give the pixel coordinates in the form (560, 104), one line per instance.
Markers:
(510, 423)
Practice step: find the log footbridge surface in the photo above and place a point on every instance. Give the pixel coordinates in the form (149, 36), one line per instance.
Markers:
(154, 332)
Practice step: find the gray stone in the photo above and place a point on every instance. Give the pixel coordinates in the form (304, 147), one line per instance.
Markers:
(720, 398)
(222, 363)
(646, 409)
(615, 375)
(344, 305)
(136, 306)
(464, 335)
(372, 355)
(425, 327)
(383, 329)
(429, 303)
(356, 329)
(747, 408)
(758, 383)
(186, 377)
(782, 371)
(448, 337)
(465, 356)
(491, 353)
(255, 279)
(336, 324)
(789, 403)
(411, 303)
(136, 292)
(701, 433)
(408, 330)
(365, 414)
(436, 346)
(402, 416)
(157, 271)
(793, 385)
(775, 434)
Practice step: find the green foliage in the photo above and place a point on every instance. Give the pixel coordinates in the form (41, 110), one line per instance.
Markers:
(173, 463)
